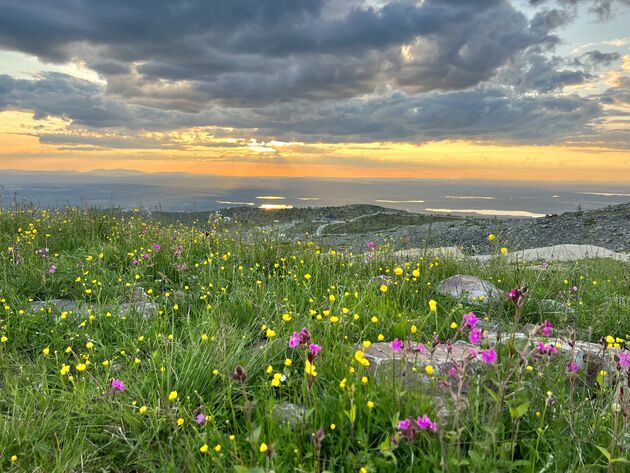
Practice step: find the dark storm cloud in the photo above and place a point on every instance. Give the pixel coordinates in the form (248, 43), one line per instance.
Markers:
(189, 55)
(604, 9)
(597, 58)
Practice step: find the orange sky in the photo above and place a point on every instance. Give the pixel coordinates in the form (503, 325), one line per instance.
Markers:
(189, 151)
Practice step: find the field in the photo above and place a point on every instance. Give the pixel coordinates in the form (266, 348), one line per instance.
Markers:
(177, 347)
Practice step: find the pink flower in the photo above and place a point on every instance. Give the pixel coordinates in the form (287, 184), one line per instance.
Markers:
(314, 349)
(117, 385)
(421, 348)
(294, 340)
(201, 418)
(134, 262)
(145, 256)
(371, 245)
(404, 424)
(470, 320)
(624, 359)
(156, 246)
(52, 269)
(546, 349)
(488, 356)
(572, 367)
(546, 328)
(475, 335)
(397, 344)
(424, 422)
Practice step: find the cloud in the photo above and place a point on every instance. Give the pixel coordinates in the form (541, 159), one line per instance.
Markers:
(604, 9)
(192, 55)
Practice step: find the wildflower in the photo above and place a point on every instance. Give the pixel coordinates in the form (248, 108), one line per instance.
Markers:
(142, 410)
(270, 333)
(491, 237)
(546, 328)
(342, 383)
(180, 421)
(200, 418)
(415, 273)
(333, 426)
(239, 374)
(314, 349)
(404, 424)
(624, 359)
(398, 271)
(475, 336)
(65, 369)
(432, 306)
(117, 385)
(81, 367)
(360, 357)
(470, 320)
(294, 340)
(488, 356)
(453, 325)
(546, 349)
(572, 367)
(383, 288)
(172, 396)
(307, 277)
(46, 351)
(370, 405)
(397, 344)
(429, 370)
(217, 448)
(424, 422)
(371, 245)
(263, 447)
(309, 369)
(52, 269)
(288, 362)
(504, 251)
(204, 448)
(156, 246)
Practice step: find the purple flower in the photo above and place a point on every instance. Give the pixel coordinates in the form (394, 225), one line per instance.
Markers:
(117, 385)
(201, 418)
(574, 289)
(397, 344)
(546, 349)
(546, 328)
(294, 340)
(314, 349)
(420, 348)
(156, 246)
(371, 245)
(52, 269)
(624, 359)
(475, 335)
(404, 424)
(145, 256)
(572, 367)
(424, 422)
(134, 262)
(488, 356)
(470, 320)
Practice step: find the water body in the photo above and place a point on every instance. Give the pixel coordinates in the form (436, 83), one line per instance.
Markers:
(186, 192)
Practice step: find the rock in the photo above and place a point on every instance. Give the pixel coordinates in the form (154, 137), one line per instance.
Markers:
(552, 306)
(417, 253)
(470, 287)
(382, 279)
(381, 357)
(145, 310)
(139, 295)
(288, 413)
(56, 305)
(565, 252)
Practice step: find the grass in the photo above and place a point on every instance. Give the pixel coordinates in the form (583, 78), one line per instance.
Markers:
(226, 301)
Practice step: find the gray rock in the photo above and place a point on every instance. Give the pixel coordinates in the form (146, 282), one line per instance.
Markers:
(552, 306)
(470, 287)
(56, 305)
(144, 310)
(289, 413)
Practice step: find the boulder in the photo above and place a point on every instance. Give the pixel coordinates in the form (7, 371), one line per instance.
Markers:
(55, 305)
(470, 287)
(288, 413)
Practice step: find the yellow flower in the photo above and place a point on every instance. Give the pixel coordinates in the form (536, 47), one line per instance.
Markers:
(180, 421)
(415, 273)
(370, 404)
(334, 319)
(342, 383)
(142, 410)
(366, 344)
(307, 277)
(288, 362)
(286, 317)
(331, 298)
(270, 333)
(204, 448)
(263, 447)
(491, 237)
(383, 288)
(432, 305)
(65, 369)
(46, 351)
(398, 271)
(364, 379)
(363, 470)
(414, 329)
(428, 369)
(13, 458)
(453, 325)
(380, 337)
(172, 396)
(309, 369)
(333, 426)
(80, 367)
(504, 250)
(217, 448)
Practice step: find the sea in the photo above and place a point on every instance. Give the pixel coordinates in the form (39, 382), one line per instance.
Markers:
(193, 192)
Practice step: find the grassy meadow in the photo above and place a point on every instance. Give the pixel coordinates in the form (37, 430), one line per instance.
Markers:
(193, 386)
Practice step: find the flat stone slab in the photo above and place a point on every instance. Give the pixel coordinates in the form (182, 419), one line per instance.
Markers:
(417, 253)
(567, 252)
(470, 287)
(55, 305)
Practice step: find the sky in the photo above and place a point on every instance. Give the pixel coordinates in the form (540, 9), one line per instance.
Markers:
(478, 89)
